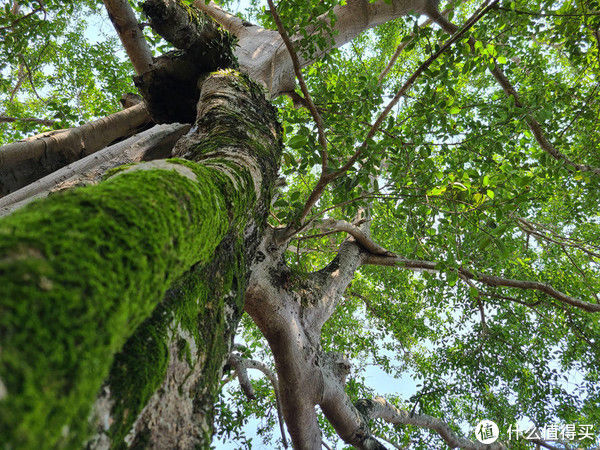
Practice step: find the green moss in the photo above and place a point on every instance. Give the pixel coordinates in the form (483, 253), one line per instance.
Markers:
(83, 276)
(79, 271)
(115, 170)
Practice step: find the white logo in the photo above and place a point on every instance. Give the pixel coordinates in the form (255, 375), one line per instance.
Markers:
(487, 432)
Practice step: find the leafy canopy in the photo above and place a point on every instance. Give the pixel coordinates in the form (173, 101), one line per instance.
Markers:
(454, 176)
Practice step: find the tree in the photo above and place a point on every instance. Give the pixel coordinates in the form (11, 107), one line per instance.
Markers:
(438, 214)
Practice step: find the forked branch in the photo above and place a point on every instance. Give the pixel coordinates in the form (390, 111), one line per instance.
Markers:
(490, 280)
(325, 179)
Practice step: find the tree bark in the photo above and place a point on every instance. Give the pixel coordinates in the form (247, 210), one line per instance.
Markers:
(123, 18)
(82, 270)
(262, 55)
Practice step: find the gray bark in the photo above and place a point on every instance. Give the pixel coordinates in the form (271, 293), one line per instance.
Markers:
(154, 143)
(24, 162)
(263, 56)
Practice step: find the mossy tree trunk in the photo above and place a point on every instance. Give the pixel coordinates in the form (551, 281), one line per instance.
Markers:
(87, 271)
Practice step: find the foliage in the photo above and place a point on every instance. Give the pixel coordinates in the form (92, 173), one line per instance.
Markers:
(458, 175)
(57, 63)
(454, 175)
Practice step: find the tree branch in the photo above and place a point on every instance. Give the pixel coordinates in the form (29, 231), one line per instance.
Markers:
(540, 14)
(362, 239)
(123, 18)
(29, 76)
(16, 21)
(241, 366)
(490, 280)
(263, 58)
(534, 126)
(324, 180)
(389, 441)
(23, 162)
(477, 15)
(380, 408)
(47, 122)
(403, 45)
(307, 97)
(530, 228)
(156, 142)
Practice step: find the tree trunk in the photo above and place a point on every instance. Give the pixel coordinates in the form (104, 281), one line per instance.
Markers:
(83, 271)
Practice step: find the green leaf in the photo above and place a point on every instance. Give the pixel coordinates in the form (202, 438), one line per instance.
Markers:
(297, 141)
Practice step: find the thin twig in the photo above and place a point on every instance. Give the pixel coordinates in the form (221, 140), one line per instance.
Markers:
(46, 122)
(16, 21)
(241, 365)
(490, 280)
(308, 99)
(29, 76)
(533, 125)
(408, 84)
(403, 45)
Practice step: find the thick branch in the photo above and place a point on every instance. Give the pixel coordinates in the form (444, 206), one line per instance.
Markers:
(186, 28)
(26, 161)
(262, 55)
(156, 142)
(171, 88)
(349, 423)
(359, 235)
(123, 18)
(490, 280)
